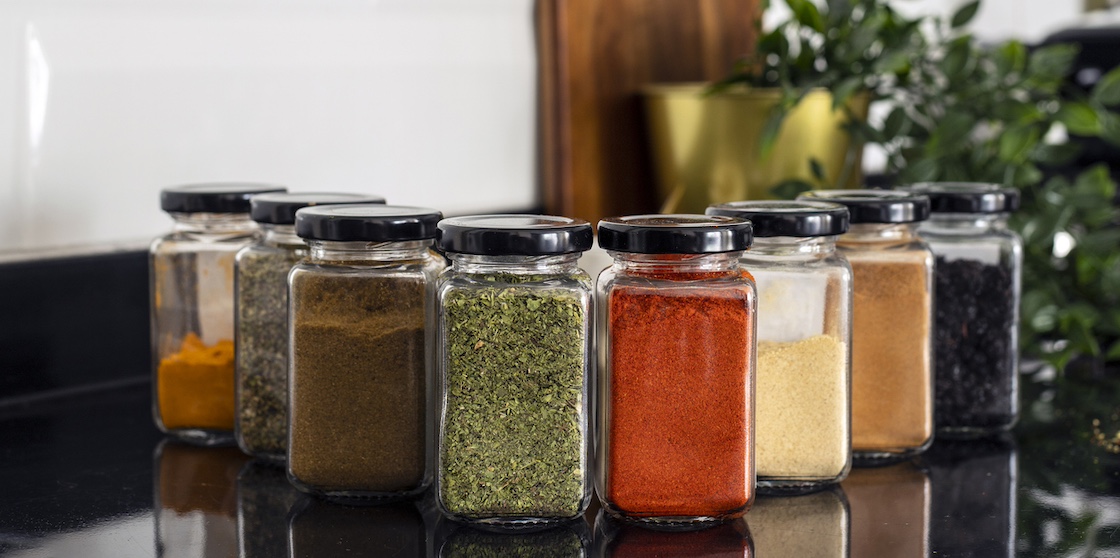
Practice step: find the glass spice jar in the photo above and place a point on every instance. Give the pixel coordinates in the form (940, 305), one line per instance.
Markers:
(892, 321)
(192, 308)
(677, 349)
(261, 307)
(514, 344)
(362, 351)
(803, 435)
(976, 333)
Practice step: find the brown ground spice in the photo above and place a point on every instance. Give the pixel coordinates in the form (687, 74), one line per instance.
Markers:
(892, 406)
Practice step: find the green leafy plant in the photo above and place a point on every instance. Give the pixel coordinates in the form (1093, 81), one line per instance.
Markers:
(962, 111)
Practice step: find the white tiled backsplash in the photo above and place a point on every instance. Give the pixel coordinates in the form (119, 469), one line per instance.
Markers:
(102, 102)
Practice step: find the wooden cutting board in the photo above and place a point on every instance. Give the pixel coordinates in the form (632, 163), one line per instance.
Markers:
(595, 56)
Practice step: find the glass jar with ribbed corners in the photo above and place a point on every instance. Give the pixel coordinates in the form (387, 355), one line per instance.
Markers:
(803, 434)
(261, 307)
(976, 334)
(362, 351)
(677, 353)
(192, 308)
(892, 321)
(515, 346)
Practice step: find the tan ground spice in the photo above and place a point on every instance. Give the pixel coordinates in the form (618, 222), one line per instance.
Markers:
(892, 375)
(802, 408)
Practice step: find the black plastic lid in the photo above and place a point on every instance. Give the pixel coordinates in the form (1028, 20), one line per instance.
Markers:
(875, 206)
(280, 209)
(366, 223)
(213, 197)
(514, 235)
(787, 218)
(675, 234)
(967, 197)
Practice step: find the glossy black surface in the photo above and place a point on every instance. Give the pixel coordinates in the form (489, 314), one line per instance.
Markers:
(88, 475)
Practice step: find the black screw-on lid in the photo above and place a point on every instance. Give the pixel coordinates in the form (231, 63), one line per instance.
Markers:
(875, 206)
(514, 235)
(366, 223)
(787, 218)
(280, 209)
(967, 197)
(675, 234)
(213, 197)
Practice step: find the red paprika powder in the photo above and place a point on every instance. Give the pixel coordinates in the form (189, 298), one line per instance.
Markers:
(677, 426)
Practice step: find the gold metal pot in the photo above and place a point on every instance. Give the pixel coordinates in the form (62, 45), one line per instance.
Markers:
(706, 147)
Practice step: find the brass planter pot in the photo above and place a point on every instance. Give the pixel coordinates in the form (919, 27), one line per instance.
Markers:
(706, 147)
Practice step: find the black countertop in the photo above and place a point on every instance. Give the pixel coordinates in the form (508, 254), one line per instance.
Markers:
(86, 474)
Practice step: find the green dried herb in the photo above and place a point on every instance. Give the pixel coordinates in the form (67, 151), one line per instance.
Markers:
(513, 423)
(262, 349)
(553, 543)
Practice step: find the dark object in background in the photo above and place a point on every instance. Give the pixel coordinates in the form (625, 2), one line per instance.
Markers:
(323, 529)
(71, 322)
(1100, 52)
(973, 498)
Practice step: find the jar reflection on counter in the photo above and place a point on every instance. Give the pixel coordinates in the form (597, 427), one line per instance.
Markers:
(890, 510)
(192, 308)
(569, 539)
(620, 539)
(813, 525)
(978, 272)
(264, 499)
(261, 307)
(196, 500)
(803, 377)
(677, 326)
(892, 321)
(974, 486)
(362, 351)
(328, 530)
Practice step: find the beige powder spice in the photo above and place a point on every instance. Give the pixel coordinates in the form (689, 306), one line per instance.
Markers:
(892, 405)
(802, 409)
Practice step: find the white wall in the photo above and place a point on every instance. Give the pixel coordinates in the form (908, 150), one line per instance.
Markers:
(102, 102)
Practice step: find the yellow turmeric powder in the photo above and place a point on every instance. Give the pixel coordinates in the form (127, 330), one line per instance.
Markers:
(195, 386)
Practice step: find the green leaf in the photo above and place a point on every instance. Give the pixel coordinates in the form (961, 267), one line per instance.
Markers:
(1016, 143)
(951, 131)
(892, 62)
(789, 189)
(1026, 174)
(1052, 62)
(1107, 90)
(896, 124)
(1080, 119)
(817, 169)
(1011, 57)
(1055, 154)
(1095, 182)
(923, 170)
(809, 16)
(770, 131)
(844, 91)
(1113, 352)
(1110, 127)
(965, 14)
(957, 58)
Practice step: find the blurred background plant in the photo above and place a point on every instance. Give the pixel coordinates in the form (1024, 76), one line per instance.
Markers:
(959, 110)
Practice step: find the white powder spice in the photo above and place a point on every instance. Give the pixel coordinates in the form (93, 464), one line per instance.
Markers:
(802, 418)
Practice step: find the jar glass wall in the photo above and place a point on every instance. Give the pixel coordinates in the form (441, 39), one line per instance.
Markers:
(192, 309)
(677, 325)
(803, 379)
(515, 345)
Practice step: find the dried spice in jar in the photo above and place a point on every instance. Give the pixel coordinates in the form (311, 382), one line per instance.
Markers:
(678, 344)
(261, 306)
(192, 308)
(892, 319)
(976, 346)
(514, 338)
(803, 386)
(362, 353)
